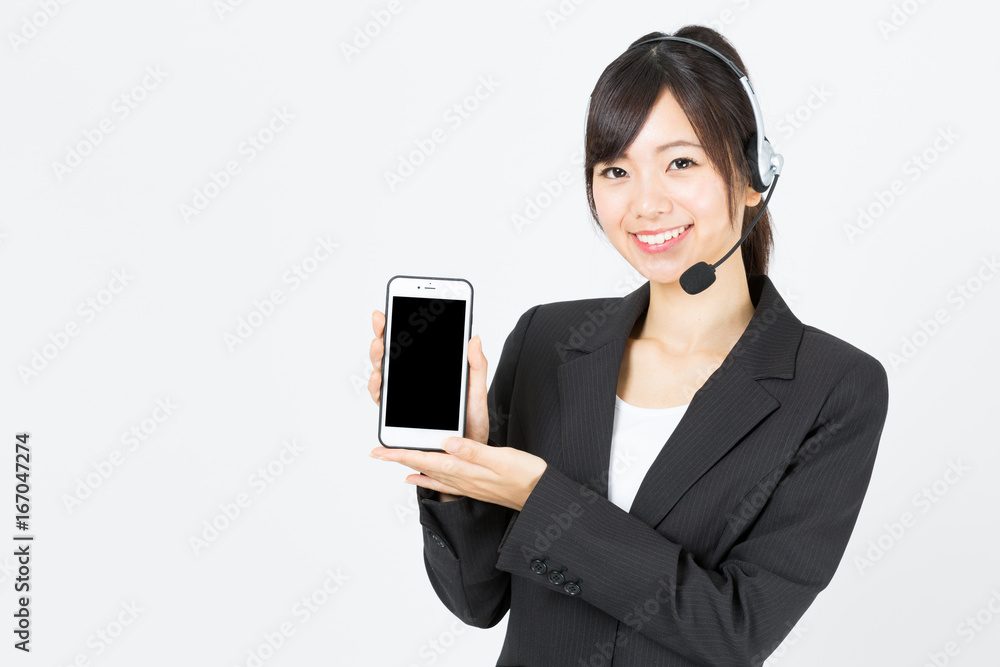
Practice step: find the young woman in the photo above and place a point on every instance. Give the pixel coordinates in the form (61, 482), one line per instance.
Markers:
(669, 477)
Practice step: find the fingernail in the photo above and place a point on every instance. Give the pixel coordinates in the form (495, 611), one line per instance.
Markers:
(451, 445)
(374, 455)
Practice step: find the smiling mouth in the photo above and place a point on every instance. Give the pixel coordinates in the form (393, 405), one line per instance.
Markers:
(661, 237)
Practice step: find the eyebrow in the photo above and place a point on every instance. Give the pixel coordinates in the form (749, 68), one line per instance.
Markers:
(672, 144)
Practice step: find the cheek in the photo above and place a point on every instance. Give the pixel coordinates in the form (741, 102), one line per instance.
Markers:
(705, 198)
(609, 203)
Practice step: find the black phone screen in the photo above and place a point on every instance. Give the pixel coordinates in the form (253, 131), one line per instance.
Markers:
(426, 349)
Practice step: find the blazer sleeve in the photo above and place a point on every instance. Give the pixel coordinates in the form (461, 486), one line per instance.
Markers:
(461, 537)
(737, 613)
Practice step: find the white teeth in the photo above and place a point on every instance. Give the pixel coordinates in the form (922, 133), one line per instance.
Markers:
(661, 238)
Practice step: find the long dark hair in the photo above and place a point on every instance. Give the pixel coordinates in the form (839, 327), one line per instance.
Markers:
(711, 96)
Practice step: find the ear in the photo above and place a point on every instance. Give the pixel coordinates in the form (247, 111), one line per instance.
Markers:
(752, 197)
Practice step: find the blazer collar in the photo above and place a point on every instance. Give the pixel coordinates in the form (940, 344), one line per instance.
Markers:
(726, 407)
(766, 349)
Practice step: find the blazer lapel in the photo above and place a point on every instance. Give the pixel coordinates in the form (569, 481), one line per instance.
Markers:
(722, 411)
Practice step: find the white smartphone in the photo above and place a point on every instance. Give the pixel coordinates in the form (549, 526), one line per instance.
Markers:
(425, 368)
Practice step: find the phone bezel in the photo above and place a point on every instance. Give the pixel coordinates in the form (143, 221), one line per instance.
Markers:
(406, 285)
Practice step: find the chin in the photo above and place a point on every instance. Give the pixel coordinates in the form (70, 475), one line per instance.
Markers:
(663, 275)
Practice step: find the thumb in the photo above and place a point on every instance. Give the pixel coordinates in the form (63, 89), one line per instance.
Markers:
(466, 449)
(477, 417)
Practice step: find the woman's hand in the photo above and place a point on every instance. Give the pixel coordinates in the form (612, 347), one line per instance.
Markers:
(501, 475)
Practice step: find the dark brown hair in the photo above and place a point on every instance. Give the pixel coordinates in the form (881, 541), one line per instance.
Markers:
(711, 96)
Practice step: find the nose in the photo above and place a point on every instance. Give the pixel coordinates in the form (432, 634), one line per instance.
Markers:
(651, 198)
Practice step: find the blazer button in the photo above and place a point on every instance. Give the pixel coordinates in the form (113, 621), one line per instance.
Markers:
(572, 588)
(557, 577)
(437, 540)
(538, 567)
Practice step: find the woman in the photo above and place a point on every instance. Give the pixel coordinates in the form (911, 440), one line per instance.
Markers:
(666, 478)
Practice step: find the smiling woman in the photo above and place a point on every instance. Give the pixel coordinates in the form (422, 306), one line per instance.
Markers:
(685, 91)
(675, 486)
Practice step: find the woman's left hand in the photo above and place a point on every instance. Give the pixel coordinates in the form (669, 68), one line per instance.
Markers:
(501, 475)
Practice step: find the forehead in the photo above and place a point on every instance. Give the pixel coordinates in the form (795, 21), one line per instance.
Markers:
(666, 123)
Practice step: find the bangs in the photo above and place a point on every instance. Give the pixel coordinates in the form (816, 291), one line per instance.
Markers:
(623, 105)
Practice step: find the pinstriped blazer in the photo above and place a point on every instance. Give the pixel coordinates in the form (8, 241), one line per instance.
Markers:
(741, 521)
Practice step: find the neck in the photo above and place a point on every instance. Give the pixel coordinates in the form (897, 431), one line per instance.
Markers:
(711, 321)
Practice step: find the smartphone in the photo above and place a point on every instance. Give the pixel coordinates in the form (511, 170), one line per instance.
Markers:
(425, 368)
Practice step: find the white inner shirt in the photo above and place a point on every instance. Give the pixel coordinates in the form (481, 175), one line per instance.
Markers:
(638, 436)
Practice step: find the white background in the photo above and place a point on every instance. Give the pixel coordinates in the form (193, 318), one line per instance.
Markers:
(333, 515)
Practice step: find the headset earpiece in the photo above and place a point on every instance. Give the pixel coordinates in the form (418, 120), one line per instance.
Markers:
(750, 150)
(753, 162)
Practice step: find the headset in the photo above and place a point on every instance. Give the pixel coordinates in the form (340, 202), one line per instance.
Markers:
(765, 168)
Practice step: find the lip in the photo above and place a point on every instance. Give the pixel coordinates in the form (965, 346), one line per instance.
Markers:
(654, 232)
(652, 250)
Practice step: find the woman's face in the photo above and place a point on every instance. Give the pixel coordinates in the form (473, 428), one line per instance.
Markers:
(665, 184)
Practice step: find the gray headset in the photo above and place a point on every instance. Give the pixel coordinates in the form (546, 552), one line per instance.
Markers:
(765, 164)
(765, 167)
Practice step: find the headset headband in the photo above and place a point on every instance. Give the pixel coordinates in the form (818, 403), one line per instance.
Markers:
(759, 152)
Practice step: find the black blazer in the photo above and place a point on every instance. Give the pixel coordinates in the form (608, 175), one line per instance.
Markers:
(740, 522)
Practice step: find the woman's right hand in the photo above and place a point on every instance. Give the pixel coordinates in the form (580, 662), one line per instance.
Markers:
(375, 353)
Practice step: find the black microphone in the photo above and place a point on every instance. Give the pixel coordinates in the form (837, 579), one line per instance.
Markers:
(700, 276)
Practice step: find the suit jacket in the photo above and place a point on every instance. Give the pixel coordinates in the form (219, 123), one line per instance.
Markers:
(741, 521)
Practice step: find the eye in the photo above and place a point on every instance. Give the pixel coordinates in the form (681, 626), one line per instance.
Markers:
(688, 163)
(617, 171)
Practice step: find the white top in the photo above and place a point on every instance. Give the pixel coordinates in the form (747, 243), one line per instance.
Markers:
(638, 436)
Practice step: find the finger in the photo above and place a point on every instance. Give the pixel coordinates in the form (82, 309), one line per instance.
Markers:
(429, 482)
(472, 452)
(375, 353)
(442, 466)
(414, 458)
(375, 386)
(377, 346)
(477, 416)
